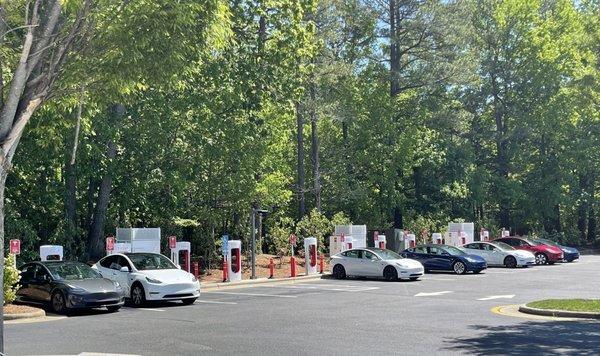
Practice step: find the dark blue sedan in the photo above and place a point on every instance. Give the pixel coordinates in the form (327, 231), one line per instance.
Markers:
(445, 258)
(570, 254)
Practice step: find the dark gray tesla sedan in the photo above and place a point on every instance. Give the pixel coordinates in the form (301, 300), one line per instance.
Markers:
(68, 285)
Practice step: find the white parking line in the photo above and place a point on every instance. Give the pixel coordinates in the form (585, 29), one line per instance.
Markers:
(491, 297)
(437, 279)
(152, 309)
(433, 293)
(214, 302)
(317, 287)
(255, 294)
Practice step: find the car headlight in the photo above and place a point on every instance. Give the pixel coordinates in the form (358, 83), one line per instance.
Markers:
(472, 260)
(152, 280)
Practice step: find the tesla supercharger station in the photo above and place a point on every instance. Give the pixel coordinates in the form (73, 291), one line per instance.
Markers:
(380, 241)
(348, 243)
(437, 238)
(410, 240)
(51, 253)
(180, 255)
(310, 254)
(234, 259)
(505, 233)
(485, 235)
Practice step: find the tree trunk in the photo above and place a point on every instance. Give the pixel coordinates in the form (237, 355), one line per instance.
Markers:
(300, 143)
(394, 58)
(591, 233)
(501, 148)
(315, 148)
(95, 243)
(3, 175)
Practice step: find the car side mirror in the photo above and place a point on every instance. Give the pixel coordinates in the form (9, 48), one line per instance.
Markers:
(124, 269)
(445, 253)
(45, 278)
(178, 266)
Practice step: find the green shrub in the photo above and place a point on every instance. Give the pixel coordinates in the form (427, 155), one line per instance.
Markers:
(316, 225)
(11, 278)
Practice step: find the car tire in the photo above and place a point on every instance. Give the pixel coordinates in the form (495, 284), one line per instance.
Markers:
(58, 302)
(113, 308)
(541, 259)
(510, 262)
(138, 295)
(339, 272)
(390, 274)
(414, 278)
(570, 260)
(188, 301)
(459, 267)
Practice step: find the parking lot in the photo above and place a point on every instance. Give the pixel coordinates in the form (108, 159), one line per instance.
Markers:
(441, 314)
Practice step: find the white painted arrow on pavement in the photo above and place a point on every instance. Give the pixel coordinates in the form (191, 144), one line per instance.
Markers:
(507, 296)
(432, 294)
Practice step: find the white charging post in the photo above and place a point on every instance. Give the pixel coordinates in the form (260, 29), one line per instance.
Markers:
(51, 253)
(410, 241)
(180, 255)
(234, 257)
(380, 241)
(437, 238)
(310, 254)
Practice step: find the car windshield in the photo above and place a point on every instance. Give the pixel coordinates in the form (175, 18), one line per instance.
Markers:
(150, 261)
(386, 254)
(454, 251)
(503, 245)
(545, 242)
(533, 242)
(71, 271)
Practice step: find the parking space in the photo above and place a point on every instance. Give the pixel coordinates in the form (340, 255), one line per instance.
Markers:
(442, 313)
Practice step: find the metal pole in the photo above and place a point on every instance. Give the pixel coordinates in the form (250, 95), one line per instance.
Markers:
(253, 233)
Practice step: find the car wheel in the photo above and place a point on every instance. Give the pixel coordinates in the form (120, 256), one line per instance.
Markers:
(541, 259)
(339, 272)
(59, 304)
(569, 260)
(510, 262)
(138, 296)
(459, 267)
(188, 301)
(414, 278)
(113, 308)
(390, 273)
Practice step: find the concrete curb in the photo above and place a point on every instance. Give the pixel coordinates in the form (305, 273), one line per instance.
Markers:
(558, 313)
(258, 282)
(37, 314)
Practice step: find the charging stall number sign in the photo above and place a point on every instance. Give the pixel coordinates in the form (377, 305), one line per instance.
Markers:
(224, 244)
(172, 242)
(15, 246)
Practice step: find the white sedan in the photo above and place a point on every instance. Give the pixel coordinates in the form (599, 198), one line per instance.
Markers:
(500, 254)
(375, 262)
(149, 276)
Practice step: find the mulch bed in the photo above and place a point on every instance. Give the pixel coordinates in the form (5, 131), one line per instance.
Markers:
(19, 309)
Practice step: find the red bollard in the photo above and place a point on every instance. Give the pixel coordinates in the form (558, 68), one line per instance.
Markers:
(293, 266)
(196, 268)
(225, 269)
(321, 263)
(271, 268)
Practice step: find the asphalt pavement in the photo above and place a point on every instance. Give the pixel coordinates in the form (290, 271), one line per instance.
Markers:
(441, 314)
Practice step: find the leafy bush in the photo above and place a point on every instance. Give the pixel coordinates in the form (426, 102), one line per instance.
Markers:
(279, 234)
(11, 278)
(316, 225)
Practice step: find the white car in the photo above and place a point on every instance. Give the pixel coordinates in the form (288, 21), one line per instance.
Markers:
(500, 254)
(375, 262)
(149, 276)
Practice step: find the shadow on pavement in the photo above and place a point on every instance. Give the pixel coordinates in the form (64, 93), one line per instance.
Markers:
(532, 338)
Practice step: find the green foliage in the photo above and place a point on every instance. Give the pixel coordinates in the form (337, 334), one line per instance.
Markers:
(315, 224)
(278, 237)
(11, 280)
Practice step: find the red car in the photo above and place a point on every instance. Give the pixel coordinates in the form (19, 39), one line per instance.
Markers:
(544, 254)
